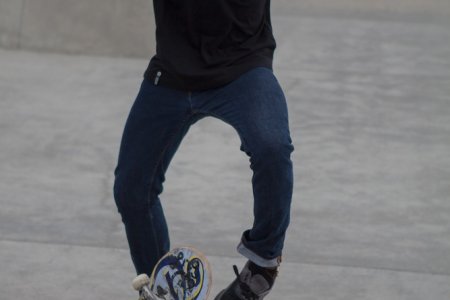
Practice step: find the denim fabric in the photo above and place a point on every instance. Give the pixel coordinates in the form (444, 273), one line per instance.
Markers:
(255, 106)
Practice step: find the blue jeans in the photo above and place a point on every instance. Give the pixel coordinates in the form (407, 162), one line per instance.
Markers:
(254, 104)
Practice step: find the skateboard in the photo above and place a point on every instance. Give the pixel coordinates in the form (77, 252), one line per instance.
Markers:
(183, 273)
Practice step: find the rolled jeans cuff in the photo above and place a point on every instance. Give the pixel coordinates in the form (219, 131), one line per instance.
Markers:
(255, 258)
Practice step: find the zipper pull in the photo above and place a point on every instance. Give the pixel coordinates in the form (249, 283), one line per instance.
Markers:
(158, 75)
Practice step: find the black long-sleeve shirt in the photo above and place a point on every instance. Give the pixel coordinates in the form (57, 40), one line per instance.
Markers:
(204, 44)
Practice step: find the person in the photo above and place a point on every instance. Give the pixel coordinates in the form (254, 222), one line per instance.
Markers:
(213, 59)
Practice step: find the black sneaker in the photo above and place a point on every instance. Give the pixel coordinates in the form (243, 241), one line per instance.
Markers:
(254, 283)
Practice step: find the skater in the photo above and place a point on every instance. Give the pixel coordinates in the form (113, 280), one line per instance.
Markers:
(213, 59)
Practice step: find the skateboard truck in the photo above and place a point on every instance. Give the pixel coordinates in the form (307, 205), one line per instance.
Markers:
(142, 284)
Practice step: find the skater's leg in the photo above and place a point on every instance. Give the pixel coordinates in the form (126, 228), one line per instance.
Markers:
(255, 106)
(157, 122)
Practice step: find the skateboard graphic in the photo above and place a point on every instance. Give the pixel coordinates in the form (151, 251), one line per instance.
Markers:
(183, 273)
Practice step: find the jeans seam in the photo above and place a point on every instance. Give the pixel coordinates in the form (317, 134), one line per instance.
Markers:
(152, 179)
(170, 141)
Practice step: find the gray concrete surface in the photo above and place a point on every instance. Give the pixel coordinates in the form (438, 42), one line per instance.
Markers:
(10, 23)
(100, 27)
(413, 10)
(370, 118)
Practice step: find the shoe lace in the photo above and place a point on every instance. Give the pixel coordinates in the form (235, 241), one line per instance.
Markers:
(246, 292)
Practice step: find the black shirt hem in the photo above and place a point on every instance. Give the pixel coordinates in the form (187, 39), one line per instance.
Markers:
(157, 74)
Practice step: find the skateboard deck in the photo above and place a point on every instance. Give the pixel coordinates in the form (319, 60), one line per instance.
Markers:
(183, 273)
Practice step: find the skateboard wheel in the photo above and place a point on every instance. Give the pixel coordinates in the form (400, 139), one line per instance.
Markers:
(140, 281)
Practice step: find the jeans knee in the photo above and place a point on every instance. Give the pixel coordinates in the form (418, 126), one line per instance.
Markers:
(119, 194)
(129, 195)
(272, 152)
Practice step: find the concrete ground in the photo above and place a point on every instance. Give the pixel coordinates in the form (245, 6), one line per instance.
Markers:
(369, 108)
